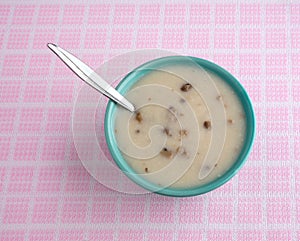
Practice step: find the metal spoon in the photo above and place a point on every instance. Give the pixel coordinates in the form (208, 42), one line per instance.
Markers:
(90, 77)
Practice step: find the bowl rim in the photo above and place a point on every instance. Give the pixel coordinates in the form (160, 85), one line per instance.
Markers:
(132, 77)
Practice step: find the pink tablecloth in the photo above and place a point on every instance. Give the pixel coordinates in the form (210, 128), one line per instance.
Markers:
(46, 194)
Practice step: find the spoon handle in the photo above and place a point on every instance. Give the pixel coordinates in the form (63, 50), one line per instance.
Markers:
(90, 77)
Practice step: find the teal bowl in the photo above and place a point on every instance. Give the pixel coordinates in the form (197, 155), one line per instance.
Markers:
(128, 81)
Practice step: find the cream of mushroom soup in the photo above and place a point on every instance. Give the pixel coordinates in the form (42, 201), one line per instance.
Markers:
(163, 127)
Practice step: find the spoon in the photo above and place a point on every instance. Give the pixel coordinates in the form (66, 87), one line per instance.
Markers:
(90, 77)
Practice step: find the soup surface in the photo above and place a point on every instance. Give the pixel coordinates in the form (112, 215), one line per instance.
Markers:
(188, 129)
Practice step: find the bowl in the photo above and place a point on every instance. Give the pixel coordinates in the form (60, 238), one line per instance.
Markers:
(129, 80)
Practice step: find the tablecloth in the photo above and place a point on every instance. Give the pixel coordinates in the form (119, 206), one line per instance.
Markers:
(45, 192)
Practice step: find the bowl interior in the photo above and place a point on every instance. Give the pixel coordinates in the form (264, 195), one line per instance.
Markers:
(133, 77)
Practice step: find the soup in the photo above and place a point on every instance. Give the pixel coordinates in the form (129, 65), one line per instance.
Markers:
(188, 129)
